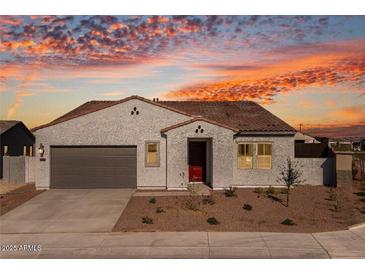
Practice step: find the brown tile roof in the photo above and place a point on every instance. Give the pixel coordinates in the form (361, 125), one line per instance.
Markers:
(245, 116)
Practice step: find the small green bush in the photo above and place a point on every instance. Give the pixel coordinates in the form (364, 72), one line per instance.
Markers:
(212, 221)
(258, 190)
(152, 200)
(270, 191)
(230, 192)
(247, 207)
(287, 221)
(160, 210)
(147, 220)
(361, 193)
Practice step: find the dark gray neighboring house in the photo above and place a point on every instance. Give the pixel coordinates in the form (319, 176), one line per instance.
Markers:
(15, 140)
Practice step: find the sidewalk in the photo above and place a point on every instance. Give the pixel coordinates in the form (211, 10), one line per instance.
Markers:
(339, 244)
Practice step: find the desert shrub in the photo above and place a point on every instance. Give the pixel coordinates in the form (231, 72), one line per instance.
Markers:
(361, 193)
(270, 191)
(258, 190)
(212, 221)
(332, 194)
(360, 164)
(287, 221)
(247, 207)
(192, 203)
(152, 200)
(193, 200)
(230, 192)
(159, 210)
(209, 200)
(147, 220)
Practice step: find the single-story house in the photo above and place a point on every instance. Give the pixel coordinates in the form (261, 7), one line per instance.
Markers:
(346, 143)
(141, 143)
(301, 138)
(15, 140)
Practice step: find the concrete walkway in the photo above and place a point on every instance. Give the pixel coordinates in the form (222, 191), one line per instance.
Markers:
(339, 244)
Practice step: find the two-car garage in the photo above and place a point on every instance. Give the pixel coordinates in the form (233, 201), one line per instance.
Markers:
(93, 167)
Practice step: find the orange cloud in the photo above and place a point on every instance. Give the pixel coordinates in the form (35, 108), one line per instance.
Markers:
(18, 100)
(352, 113)
(331, 66)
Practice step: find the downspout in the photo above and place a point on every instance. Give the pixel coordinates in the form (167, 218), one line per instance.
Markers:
(165, 136)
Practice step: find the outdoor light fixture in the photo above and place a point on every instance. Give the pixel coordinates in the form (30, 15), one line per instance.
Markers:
(41, 149)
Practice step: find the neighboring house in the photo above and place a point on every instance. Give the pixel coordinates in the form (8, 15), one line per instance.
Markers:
(136, 142)
(346, 143)
(15, 140)
(301, 137)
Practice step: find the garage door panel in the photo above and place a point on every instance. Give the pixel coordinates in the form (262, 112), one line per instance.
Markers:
(127, 163)
(93, 167)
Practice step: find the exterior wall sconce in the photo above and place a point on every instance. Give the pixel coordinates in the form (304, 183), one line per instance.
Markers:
(41, 150)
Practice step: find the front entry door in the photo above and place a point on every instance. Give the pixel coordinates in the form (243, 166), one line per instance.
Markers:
(197, 161)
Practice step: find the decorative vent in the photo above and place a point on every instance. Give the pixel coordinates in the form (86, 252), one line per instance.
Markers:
(199, 129)
(135, 111)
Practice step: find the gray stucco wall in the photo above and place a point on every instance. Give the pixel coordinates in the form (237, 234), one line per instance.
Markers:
(113, 126)
(318, 171)
(282, 148)
(18, 169)
(177, 154)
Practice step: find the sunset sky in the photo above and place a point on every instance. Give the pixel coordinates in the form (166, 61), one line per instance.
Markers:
(308, 70)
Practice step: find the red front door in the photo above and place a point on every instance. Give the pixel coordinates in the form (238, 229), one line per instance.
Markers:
(197, 161)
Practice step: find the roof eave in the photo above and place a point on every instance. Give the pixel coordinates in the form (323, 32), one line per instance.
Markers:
(197, 119)
(263, 133)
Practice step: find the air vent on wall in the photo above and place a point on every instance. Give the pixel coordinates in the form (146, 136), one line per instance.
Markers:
(135, 111)
(199, 129)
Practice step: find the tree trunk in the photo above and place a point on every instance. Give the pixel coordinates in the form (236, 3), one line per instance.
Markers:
(287, 197)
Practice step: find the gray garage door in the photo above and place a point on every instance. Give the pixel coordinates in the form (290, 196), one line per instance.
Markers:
(93, 167)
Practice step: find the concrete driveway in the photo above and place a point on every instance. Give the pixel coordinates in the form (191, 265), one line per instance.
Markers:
(68, 210)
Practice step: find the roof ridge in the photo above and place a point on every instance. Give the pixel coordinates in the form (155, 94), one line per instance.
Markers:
(205, 101)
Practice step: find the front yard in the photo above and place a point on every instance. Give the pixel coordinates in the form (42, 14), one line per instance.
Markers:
(311, 209)
(13, 195)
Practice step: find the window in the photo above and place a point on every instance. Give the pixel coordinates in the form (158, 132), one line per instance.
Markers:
(264, 155)
(152, 154)
(5, 150)
(245, 154)
(24, 150)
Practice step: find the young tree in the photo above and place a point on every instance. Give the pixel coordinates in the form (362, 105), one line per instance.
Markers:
(290, 175)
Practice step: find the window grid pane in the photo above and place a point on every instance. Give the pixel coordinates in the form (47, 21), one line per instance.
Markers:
(264, 156)
(152, 147)
(152, 154)
(245, 153)
(152, 158)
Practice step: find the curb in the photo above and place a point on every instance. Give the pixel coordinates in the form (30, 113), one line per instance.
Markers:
(357, 226)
